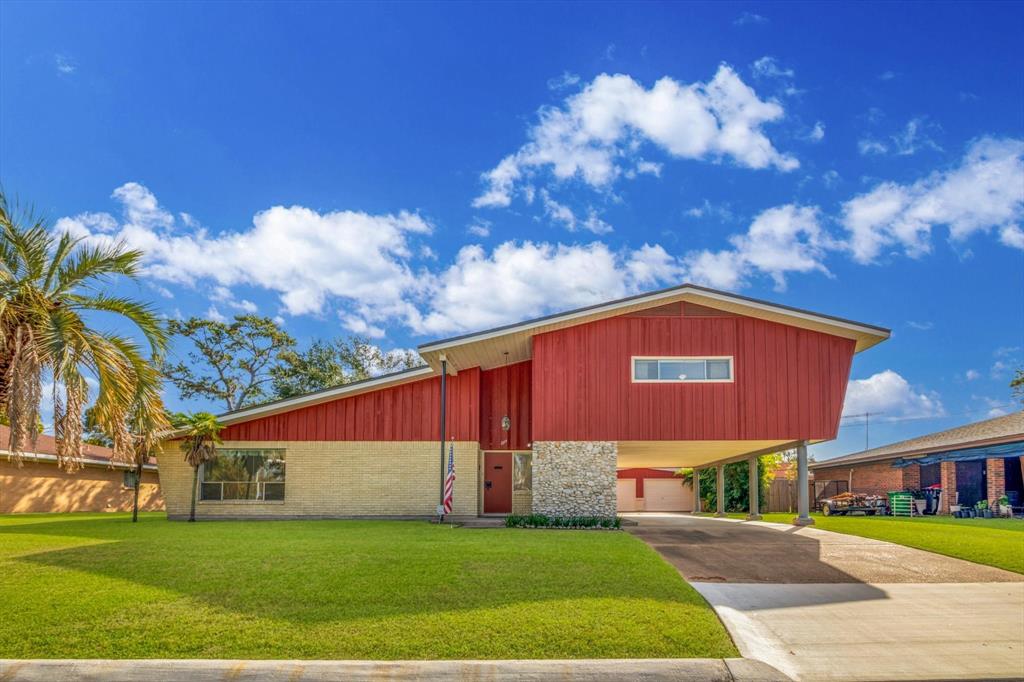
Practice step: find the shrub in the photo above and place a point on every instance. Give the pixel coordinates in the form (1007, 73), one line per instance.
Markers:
(543, 521)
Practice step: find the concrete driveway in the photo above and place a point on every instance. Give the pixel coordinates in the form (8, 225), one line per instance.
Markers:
(825, 606)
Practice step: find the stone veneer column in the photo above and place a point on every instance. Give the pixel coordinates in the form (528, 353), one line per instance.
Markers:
(574, 478)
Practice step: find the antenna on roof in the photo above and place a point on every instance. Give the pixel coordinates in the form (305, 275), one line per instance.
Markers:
(867, 425)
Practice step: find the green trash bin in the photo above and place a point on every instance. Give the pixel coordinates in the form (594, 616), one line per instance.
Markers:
(901, 503)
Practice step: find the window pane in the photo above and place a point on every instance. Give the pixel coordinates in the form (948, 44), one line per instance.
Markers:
(522, 471)
(244, 475)
(718, 369)
(681, 370)
(646, 369)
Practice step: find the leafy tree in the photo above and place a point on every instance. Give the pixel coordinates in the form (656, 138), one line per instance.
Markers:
(333, 363)
(202, 433)
(92, 433)
(49, 287)
(1017, 385)
(737, 475)
(230, 362)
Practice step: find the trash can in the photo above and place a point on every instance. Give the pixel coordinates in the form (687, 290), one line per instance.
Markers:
(932, 495)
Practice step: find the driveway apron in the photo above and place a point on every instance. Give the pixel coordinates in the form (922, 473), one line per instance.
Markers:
(825, 606)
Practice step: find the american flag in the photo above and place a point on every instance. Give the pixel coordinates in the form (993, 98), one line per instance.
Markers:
(449, 481)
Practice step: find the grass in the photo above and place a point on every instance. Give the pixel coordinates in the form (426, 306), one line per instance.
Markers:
(994, 542)
(97, 586)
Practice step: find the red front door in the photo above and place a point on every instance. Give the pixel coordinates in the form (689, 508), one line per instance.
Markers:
(497, 483)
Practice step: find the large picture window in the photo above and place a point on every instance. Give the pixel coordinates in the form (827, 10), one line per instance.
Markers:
(682, 369)
(243, 475)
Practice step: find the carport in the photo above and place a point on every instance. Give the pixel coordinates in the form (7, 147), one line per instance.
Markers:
(706, 456)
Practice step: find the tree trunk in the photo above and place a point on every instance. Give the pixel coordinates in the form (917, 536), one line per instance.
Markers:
(195, 490)
(138, 484)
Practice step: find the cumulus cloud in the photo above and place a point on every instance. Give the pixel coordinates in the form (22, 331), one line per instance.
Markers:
(749, 18)
(780, 240)
(521, 280)
(982, 193)
(565, 80)
(890, 394)
(817, 133)
(972, 375)
(769, 67)
(303, 255)
(595, 135)
(562, 214)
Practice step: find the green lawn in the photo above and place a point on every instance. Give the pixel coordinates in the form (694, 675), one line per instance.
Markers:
(995, 542)
(97, 586)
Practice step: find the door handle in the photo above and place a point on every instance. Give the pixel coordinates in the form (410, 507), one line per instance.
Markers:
(487, 485)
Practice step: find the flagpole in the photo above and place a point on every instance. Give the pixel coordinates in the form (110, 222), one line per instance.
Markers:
(444, 395)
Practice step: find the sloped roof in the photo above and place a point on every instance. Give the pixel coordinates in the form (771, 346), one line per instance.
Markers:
(45, 450)
(1005, 429)
(512, 343)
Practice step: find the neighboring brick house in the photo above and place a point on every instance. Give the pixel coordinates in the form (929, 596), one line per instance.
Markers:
(981, 460)
(100, 485)
(540, 415)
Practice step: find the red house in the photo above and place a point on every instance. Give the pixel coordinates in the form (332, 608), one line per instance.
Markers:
(540, 415)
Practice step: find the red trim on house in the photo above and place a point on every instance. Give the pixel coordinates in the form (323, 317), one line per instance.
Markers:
(640, 474)
(408, 412)
(789, 382)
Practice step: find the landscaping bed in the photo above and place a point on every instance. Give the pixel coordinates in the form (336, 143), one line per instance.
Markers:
(98, 586)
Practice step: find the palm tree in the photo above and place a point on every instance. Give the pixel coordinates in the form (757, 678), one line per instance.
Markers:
(202, 433)
(50, 287)
(148, 425)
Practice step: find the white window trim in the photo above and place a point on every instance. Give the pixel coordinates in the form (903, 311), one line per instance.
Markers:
(682, 358)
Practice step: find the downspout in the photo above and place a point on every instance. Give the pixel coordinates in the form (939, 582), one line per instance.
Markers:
(444, 401)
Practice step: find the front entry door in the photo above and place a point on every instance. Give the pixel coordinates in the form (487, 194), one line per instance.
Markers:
(497, 483)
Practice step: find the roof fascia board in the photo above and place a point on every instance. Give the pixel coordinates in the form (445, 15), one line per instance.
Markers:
(43, 457)
(322, 396)
(679, 292)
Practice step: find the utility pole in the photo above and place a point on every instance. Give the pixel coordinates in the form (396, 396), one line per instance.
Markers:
(867, 425)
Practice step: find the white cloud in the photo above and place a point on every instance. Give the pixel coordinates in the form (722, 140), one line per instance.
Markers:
(830, 178)
(596, 135)
(886, 75)
(561, 213)
(722, 212)
(869, 147)
(224, 295)
(890, 394)
(520, 280)
(769, 67)
(213, 314)
(353, 256)
(565, 80)
(748, 18)
(972, 375)
(920, 326)
(1012, 236)
(817, 133)
(64, 64)
(983, 193)
(479, 228)
(781, 240)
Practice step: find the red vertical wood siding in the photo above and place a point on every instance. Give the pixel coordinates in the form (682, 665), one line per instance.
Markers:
(408, 412)
(789, 382)
(505, 391)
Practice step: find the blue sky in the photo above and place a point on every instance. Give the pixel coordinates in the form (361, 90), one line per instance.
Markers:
(414, 171)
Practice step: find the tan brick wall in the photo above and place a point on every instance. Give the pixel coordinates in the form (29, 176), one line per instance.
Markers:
(340, 478)
(43, 487)
(522, 501)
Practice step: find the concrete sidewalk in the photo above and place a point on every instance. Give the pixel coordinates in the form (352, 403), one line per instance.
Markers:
(611, 670)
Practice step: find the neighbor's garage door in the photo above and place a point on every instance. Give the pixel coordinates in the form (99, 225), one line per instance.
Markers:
(666, 494)
(625, 489)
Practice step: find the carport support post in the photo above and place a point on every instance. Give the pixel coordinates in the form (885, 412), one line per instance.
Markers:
(753, 483)
(803, 503)
(696, 490)
(720, 489)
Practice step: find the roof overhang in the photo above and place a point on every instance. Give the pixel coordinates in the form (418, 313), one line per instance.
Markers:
(913, 453)
(82, 461)
(513, 343)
